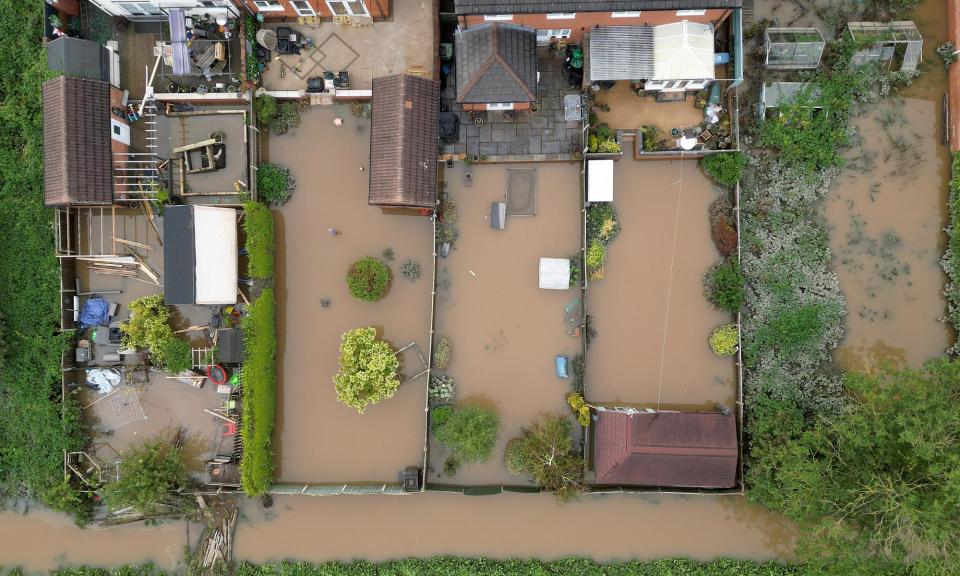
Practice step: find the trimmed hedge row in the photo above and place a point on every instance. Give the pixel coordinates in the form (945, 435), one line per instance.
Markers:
(259, 377)
(261, 243)
(951, 259)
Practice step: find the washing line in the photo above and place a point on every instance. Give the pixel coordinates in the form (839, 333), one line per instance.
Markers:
(673, 258)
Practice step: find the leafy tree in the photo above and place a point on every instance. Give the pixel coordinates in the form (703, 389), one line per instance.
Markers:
(880, 486)
(368, 279)
(724, 167)
(368, 369)
(470, 432)
(265, 106)
(724, 340)
(275, 184)
(151, 475)
(149, 327)
(544, 452)
(176, 355)
(724, 285)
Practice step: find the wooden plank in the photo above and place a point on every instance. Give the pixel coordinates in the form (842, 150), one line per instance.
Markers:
(148, 213)
(132, 243)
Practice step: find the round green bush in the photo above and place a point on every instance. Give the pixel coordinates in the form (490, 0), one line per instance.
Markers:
(369, 279)
(596, 255)
(724, 285)
(439, 416)
(513, 457)
(470, 433)
(275, 184)
(723, 340)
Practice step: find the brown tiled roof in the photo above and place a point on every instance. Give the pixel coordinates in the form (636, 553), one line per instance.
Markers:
(676, 449)
(491, 7)
(77, 161)
(403, 141)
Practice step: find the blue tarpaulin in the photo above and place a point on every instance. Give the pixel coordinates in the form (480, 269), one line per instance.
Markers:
(96, 312)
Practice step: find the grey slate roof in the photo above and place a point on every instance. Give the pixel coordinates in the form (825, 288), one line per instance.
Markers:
(496, 63)
(403, 141)
(179, 256)
(491, 7)
(621, 53)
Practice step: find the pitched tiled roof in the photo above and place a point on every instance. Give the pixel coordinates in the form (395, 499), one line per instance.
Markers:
(491, 7)
(497, 63)
(403, 141)
(675, 449)
(77, 161)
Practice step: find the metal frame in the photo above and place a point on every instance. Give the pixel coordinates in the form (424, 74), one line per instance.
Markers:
(793, 48)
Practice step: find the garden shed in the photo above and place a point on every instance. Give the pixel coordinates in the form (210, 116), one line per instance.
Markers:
(675, 449)
(793, 48)
(898, 45)
(600, 180)
(199, 255)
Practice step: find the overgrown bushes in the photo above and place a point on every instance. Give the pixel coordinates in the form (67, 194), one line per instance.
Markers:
(368, 279)
(261, 243)
(259, 378)
(442, 353)
(603, 227)
(951, 259)
(152, 475)
(33, 435)
(368, 369)
(470, 433)
(149, 327)
(724, 340)
(544, 452)
(724, 285)
(724, 167)
(275, 184)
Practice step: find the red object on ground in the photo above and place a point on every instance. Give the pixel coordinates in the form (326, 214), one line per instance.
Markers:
(229, 429)
(217, 374)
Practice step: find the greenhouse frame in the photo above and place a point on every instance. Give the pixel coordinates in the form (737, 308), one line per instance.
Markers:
(892, 43)
(793, 48)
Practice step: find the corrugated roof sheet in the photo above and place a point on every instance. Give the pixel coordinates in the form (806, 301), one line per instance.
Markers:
(669, 449)
(491, 7)
(621, 53)
(77, 161)
(496, 63)
(403, 141)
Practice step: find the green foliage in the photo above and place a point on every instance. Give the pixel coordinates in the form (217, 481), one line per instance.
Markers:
(724, 340)
(442, 389)
(602, 139)
(177, 355)
(261, 242)
(151, 475)
(442, 353)
(410, 269)
(265, 107)
(951, 258)
(149, 327)
(368, 369)
(65, 497)
(948, 53)
(579, 370)
(724, 285)
(596, 255)
(724, 167)
(439, 416)
(259, 377)
(878, 486)
(33, 436)
(368, 279)
(793, 330)
(580, 409)
(470, 433)
(603, 224)
(651, 139)
(250, 26)
(286, 118)
(544, 452)
(275, 184)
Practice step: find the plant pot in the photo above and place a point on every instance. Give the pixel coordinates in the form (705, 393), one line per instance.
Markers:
(468, 176)
(478, 121)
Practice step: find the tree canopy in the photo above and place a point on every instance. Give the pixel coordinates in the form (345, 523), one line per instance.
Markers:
(544, 452)
(368, 369)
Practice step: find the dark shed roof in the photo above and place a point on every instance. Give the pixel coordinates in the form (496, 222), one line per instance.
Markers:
(77, 161)
(678, 449)
(497, 63)
(179, 255)
(79, 57)
(492, 7)
(403, 141)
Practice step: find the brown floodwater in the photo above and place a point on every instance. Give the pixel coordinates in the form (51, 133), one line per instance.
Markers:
(506, 331)
(886, 213)
(651, 319)
(320, 439)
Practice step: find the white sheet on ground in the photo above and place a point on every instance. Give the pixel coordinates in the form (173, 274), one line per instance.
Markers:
(555, 273)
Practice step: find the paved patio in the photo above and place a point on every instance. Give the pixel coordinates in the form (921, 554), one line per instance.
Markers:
(403, 44)
(522, 135)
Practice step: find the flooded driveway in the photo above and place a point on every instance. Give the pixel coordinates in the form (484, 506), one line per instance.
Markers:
(649, 312)
(506, 331)
(320, 439)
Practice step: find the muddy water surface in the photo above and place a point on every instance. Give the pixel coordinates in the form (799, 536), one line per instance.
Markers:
(321, 440)
(886, 213)
(651, 318)
(505, 330)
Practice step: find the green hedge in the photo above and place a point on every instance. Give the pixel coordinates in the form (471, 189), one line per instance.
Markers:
(33, 436)
(259, 377)
(951, 260)
(449, 566)
(261, 243)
